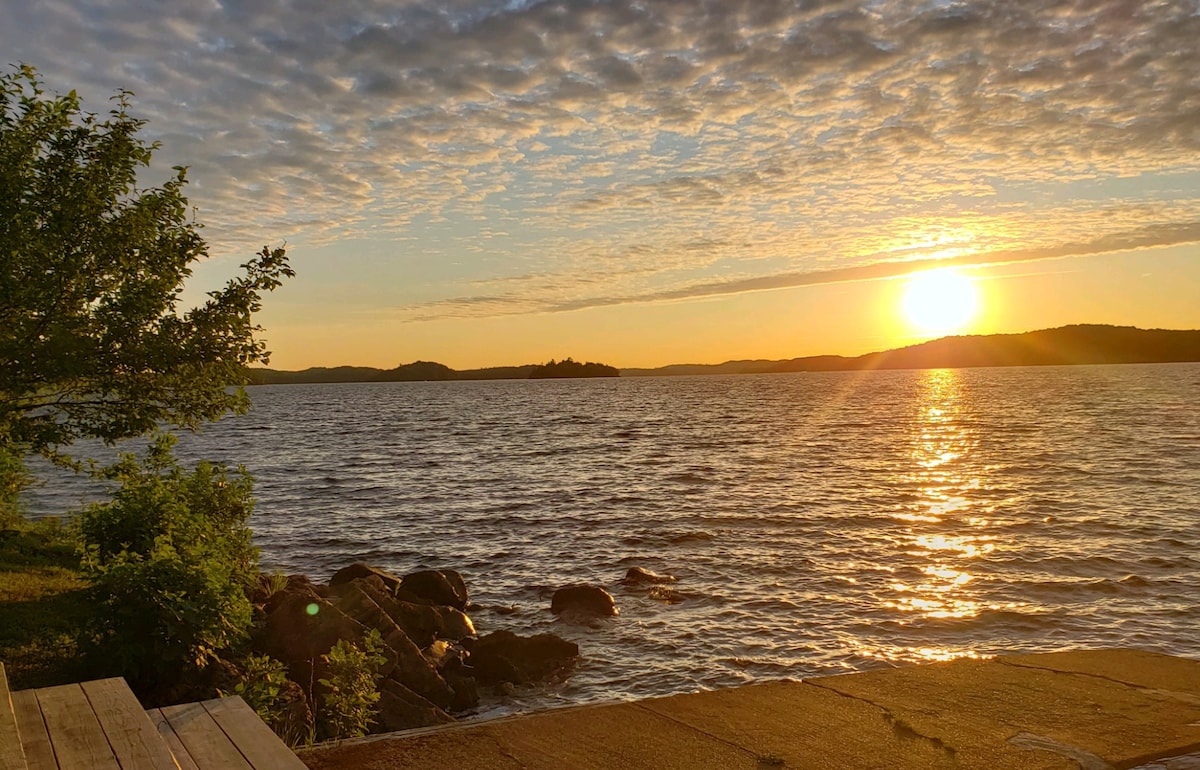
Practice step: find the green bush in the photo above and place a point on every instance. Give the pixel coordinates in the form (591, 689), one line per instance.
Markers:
(263, 685)
(13, 478)
(352, 687)
(170, 558)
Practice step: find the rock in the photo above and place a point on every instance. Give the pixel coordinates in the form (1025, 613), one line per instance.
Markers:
(297, 722)
(402, 709)
(454, 625)
(434, 586)
(458, 675)
(268, 593)
(584, 600)
(406, 664)
(423, 623)
(666, 594)
(300, 628)
(502, 656)
(641, 576)
(359, 570)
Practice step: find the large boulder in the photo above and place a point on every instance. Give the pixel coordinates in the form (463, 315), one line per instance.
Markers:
(502, 656)
(637, 576)
(424, 623)
(405, 664)
(300, 628)
(434, 586)
(584, 600)
(402, 709)
(358, 571)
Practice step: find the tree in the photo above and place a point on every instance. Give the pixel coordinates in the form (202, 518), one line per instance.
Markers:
(93, 342)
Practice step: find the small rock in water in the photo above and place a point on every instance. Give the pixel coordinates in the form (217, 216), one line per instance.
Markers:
(641, 576)
(584, 600)
(666, 595)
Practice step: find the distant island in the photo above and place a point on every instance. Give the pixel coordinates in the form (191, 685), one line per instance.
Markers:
(1066, 345)
(429, 371)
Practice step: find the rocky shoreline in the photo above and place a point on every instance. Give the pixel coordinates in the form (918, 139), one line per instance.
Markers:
(437, 662)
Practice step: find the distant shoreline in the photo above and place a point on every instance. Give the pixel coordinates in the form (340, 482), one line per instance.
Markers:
(1080, 344)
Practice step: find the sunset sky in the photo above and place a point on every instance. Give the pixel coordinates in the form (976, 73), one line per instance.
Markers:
(644, 182)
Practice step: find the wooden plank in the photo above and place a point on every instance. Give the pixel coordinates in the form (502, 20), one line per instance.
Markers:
(204, 740)
(131, 736)
(75, 732)
(39, 754)
(251, 735)
(182, 758)
(12, 757)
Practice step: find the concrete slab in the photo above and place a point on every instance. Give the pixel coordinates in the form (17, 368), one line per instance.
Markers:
(1068, 711)
(977, 706)
(818, 728)
(1138, 668)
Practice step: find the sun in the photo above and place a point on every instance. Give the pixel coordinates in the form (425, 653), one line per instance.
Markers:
(940, 301)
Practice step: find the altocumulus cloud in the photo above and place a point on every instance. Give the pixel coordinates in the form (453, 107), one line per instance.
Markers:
(632, 150)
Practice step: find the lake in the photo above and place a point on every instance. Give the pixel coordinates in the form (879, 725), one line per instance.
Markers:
(817, 523)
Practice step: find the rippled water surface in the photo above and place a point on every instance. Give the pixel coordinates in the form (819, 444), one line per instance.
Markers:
(817, 523)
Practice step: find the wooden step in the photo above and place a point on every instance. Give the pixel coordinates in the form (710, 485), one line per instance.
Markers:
(12, 756)
(222, 734)
(100, 725)
(96, 725)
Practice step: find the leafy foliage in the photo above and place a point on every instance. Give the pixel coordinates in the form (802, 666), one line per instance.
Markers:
(348, 706)
(263, 684)
(170, 556)
(93, 342)
(13, 478)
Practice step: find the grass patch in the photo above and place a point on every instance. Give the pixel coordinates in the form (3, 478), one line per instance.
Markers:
(43, 605)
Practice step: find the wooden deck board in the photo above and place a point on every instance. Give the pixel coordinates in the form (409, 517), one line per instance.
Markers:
(263, 749)
(182, 757)
(131, 736)
(12, 757)
(75, 733)
(39, 754)
(207, 744)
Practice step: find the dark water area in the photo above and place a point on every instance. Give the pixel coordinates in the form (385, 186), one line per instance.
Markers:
(817, 523)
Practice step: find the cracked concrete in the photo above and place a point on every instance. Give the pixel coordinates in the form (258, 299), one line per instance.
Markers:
(1086, 710)
(902, 729)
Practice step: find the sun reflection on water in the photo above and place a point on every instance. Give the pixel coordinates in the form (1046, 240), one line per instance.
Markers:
(947, 530)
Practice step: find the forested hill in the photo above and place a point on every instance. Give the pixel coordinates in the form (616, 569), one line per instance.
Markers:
(429, 371)
(1081, 344)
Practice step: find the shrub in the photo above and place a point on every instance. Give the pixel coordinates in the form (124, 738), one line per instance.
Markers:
(13, 478)
(352, 687)
(263, 685)
(170, 557)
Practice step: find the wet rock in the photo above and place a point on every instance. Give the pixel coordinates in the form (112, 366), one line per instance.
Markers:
(666, 594)
(584, 600)
(502, 656)
(434, 586)
(358, 571)
(402, 709)
(636, 576)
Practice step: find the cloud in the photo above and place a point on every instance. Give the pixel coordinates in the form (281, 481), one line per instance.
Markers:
(787, 138)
